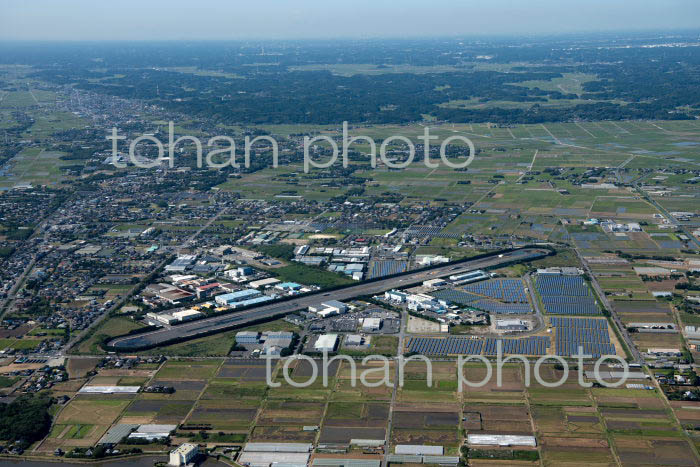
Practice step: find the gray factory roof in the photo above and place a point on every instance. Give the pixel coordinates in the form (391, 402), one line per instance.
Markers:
(118, 432)
(277, 447)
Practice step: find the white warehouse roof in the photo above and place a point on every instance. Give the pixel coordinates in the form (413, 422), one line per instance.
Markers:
(326, 341)
(277, 447)
(502, 440)
(109, 389)
(418, 449)
(263, 282)
(266, 459)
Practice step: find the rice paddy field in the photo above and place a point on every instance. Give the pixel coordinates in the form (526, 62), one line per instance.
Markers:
(601, 425)
(508, 152)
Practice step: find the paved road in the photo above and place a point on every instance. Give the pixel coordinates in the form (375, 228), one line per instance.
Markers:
(235, 319)
(667, 214)
(394, 391)
(123, 300)
(5, 304)
(636, 356)
(539, 315)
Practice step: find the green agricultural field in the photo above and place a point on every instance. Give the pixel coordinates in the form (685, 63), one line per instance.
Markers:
(111, 327)
(217, 345)
(82, 411)
(19, 344)
(188, 370)
(35, 166)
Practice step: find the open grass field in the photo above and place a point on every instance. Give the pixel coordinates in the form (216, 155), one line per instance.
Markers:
(509, 152)
(189, 369)
(223, 415)
(83, 410)
(110, 327)
(229, 396)
(34, 166)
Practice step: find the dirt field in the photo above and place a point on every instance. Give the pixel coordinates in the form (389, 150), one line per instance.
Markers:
(282, 434)
(431, 437)
(421, 326)
(86, 411)
(430, 420)
(277, 413)
(635, 451)
(159, 411)
(192, 370)
(79, 367)
(345, 434)
(348, 414)
(222, 416)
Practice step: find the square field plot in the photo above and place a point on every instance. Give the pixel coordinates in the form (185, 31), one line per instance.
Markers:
(222, 416)
(246, 370)
(69, 436)
(231, 389)
(350, 414)
(84, 410)
(635, 451)
(278, 413)
(282, 434)
(447, 438)
(429, 420)
(576, 451)
(344, 435)
(361, 393)
(560, 396)
(497, 419)
(624, 398)
(184, 389)
(157, 411)
(512, 385)
(567, 421)
(189, 370)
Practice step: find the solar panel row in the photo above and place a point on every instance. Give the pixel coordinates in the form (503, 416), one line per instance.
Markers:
(572, 309)
(422, 231)
(507, 290)
(455, 296)
(502, 308)
(536, 345)
(491, 306)
(566, 295)
(386, 268)
(588, 333)
(552, 284)
(445, 346)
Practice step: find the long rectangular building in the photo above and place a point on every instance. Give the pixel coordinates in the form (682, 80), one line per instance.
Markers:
(501, 440)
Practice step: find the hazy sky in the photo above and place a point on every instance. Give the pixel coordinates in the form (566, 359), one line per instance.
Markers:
(238, 19)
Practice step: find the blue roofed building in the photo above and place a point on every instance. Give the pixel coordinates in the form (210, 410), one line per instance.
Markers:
(232, 298)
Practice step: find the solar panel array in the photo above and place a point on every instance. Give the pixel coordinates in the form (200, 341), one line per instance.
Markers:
(499, 308)
(443, 347)
(455, 296)
(386, 268)
(506, 290)
(422, 231)
(536, 345)
(447, 235)
(566, 295)
(496, 289)
(589, 333)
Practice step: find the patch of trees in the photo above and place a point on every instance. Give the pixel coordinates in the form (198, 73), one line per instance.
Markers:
(26, 419)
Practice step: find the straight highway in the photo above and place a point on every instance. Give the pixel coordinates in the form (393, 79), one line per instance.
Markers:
(234, 319)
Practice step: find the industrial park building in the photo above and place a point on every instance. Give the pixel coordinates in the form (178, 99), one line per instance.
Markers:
(326, 342)
(183, 455)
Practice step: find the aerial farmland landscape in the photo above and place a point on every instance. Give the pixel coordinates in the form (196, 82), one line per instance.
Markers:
(350, 235)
